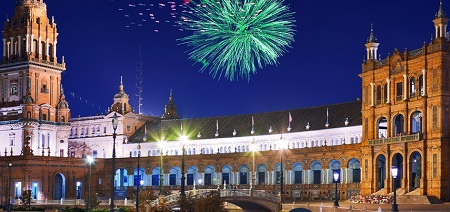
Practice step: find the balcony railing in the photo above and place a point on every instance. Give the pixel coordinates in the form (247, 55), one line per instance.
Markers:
(397, 139)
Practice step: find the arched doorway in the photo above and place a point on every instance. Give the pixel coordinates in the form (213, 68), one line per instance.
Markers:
(397, 161)
(192, 175)
(244, 175)
(399, 125)
(334, 166)
(416, 122)
(381, 171)
(138, 176)
(209, 175)
(315, 172)
(175, 176)
(354, 170)
(60, 185)
(121, 179)
(297, 169)
(261, 176)
(416, 172)
(226, 174)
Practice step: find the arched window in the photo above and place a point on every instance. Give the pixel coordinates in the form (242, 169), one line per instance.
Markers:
(42, 140)
(399, 125)
(382, 128)
(412, 87)
(378, 95)
(416, 122)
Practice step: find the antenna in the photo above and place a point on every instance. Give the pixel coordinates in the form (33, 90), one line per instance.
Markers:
(139, 79)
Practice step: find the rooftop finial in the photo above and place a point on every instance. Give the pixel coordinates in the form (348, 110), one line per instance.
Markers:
(121, 80)
(441, 13)
(372, 37)
(171, 92)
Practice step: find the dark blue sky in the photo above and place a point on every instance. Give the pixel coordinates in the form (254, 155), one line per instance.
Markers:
(321, 68)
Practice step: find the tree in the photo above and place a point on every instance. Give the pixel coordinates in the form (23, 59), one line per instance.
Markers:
(146, 198)
(94, 202)
(210, 202)
(162, 206)
(187, 203)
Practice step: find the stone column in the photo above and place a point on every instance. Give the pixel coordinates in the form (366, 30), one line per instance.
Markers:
(11, 46)
(19, 45)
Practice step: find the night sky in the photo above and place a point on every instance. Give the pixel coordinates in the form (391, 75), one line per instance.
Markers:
(100, 40)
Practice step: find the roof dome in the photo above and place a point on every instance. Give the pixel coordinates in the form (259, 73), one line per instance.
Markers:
(121, 94)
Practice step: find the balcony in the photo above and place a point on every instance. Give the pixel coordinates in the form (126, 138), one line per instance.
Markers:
(397, 139)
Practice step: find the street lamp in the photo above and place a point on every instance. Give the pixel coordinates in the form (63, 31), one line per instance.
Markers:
(282, 147)
(115, 122)
(90, 160)
(9, 187)
(183, 140)
(394, 171)
(336, 178)
(161, 145)
(35, 190)
(253, 149)
(139, 178)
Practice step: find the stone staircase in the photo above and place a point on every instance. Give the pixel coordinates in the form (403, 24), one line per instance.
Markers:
(379, 192)
(399, 191)
(414, 192)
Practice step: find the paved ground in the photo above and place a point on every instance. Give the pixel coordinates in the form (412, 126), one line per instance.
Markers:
(344, 206)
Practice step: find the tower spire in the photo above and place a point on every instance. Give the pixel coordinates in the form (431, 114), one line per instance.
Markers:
(372, 45)
(440, 22)
(170, 110)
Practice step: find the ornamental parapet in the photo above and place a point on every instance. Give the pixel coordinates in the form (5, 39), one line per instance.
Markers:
(29, 120)
(397, 139)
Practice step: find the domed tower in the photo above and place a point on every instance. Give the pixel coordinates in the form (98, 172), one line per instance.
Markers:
(120, 104)
(31, 79)
(170, 111)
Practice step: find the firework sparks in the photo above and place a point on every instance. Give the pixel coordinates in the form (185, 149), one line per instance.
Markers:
(234, 38)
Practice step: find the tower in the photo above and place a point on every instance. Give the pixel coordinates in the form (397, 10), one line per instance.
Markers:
(406, 116)
(440, 22)
(30, 82)
(120, 104)
(170, 110)
(372, 46)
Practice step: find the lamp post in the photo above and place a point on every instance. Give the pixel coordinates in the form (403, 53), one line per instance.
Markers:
(139, 178)
(35, 190)
(161, 171)
(183, 140)
(394, 171)
(253, 174)
(9, 187)
(282, 147)
(90, 160)
(115, 122)
(336, 178)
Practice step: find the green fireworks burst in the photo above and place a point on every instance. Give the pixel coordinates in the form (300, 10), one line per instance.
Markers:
(232, 38)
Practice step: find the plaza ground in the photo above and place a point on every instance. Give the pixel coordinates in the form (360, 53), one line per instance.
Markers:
(345, 206)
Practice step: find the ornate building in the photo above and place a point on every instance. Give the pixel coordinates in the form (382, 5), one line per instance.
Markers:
(404, 122)
(33, 106)
(405, 113)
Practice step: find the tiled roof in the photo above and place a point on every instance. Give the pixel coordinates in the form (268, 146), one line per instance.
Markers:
(279, 120)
